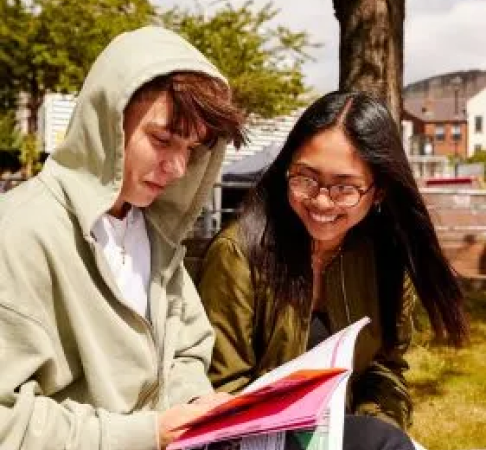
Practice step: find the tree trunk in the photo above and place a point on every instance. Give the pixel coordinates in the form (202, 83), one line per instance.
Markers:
(371, 48)
(33, 104)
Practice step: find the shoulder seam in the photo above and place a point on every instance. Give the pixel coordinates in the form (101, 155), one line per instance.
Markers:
(27, 318)
(8, 213)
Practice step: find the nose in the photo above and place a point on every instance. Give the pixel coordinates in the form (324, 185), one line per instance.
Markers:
(323, 199)
(175, 165)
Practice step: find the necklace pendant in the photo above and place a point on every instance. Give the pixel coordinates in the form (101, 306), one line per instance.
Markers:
(116, 231)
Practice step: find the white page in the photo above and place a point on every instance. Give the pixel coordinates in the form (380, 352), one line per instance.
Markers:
(336, 351)
(270, 441)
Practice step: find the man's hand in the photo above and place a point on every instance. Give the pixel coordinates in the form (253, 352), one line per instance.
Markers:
(177, 416)
(213, 400)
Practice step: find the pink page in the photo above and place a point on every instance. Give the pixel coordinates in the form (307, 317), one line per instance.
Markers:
(300, 407)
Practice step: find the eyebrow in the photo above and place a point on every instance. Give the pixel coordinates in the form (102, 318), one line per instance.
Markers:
(339, 176)
(160, 128)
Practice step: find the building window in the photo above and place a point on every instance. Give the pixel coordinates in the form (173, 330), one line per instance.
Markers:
(439, 132)
(456, 132)
(478, 124)
(477, 148)
(428, 149)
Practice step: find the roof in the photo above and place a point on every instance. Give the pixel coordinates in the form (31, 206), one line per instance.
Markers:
(263, 133)
(437, 109)
(248, 169)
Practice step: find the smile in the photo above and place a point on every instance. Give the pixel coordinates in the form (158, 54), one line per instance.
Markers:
(322, 218)
(154, 186)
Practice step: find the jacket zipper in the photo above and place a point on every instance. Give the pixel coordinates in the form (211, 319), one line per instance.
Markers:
(343, 290)
(150, 392)
(105, 272)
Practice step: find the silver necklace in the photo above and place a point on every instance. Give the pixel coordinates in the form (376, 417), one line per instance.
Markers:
(121, 244)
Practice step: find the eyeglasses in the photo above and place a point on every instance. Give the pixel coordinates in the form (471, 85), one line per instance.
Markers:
(341, 195)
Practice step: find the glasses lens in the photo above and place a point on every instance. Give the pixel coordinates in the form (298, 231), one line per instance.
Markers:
(343, 195)
(303, 186)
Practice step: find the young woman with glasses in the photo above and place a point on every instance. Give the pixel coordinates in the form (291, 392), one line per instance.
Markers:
(334, 230)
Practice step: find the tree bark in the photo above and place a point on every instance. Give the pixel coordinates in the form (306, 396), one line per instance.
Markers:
(33, 106)
(371, 48)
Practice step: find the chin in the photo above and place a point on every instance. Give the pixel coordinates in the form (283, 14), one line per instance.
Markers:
(143, 201)
(328, 235)
(327, 238)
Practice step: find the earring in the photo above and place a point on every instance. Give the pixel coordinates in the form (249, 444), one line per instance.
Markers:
(378, 207)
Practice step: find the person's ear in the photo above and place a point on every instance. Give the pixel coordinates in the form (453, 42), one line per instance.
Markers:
(378, 199)
(379, 196)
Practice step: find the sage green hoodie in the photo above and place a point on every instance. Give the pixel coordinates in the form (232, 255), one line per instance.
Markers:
(79, 369)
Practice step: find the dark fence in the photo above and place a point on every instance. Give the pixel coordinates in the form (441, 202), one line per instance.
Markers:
(460, 221)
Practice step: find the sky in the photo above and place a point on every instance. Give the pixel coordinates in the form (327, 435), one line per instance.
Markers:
(440, 35)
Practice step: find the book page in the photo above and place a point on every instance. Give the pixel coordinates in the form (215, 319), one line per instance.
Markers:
(269, 441)
(311, 439)
(335, 351)
(301, 380)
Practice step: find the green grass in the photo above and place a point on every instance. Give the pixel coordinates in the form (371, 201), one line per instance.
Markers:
(448, 387)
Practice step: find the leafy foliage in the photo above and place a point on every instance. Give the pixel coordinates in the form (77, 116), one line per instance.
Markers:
(13, 32)
(262, 63)
(30, 154)
(70, 34)
(49, 45)
(478, 157)
(10, 138)
(10, 142)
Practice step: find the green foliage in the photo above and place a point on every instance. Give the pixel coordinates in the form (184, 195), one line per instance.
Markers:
(262, 63)
(10, 142)
(71, 33)
(13, 32)
(30, 154)
(479, 156)
(49, 45)
(10, 137)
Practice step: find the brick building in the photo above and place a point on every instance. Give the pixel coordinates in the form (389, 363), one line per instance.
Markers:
(441, 125)
(437, 108)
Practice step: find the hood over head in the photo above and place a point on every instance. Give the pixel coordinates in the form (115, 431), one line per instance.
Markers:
(86, 171)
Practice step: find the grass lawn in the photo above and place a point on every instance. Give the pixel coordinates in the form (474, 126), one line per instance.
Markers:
(449, 387)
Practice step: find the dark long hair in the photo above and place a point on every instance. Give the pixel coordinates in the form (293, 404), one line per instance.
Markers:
(279, 247)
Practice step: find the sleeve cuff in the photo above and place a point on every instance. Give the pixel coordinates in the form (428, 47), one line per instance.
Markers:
(190, 393)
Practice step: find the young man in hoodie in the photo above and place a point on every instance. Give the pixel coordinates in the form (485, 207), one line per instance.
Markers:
(104, 343)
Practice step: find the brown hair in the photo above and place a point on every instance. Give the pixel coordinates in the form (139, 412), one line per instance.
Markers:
(198, 99)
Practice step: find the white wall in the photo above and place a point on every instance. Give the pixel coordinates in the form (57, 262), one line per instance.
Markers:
(54, 115)
(407, 133)
(476, 108)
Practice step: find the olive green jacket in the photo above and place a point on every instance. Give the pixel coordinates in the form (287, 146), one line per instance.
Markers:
(248, 344)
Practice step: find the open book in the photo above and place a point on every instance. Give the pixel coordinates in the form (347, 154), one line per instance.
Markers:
(305, 394)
